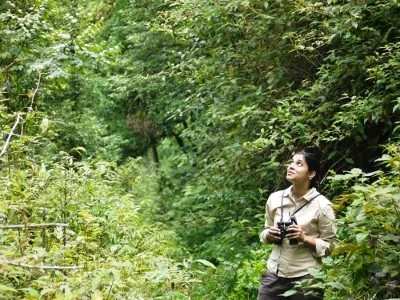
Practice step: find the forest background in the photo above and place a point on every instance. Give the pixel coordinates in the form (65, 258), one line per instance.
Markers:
(153, 131)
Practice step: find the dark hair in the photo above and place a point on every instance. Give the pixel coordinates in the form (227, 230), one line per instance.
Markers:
(313, 160)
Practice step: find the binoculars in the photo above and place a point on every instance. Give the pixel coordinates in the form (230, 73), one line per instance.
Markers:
(283, 226)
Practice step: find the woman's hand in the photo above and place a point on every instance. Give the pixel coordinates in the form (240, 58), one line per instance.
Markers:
(296, 232)
(274, 235)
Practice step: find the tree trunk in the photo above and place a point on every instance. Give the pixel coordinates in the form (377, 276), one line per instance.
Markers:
(180, 142)
(154, 151)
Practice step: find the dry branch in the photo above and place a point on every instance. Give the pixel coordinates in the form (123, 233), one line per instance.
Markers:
(33, 225)
(36, 90)
(10, 135)
(22, 265)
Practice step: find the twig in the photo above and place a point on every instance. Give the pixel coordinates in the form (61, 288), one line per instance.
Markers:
(9, 65)
(36, 90)
(5, 132)
(331, 167)
(10, 135)
(111, 286)
(32, 225)
(22, 265)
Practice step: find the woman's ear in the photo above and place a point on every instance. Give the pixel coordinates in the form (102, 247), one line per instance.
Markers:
(311, 175)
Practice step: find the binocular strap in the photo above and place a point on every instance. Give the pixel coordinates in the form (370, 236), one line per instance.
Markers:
(297, 209)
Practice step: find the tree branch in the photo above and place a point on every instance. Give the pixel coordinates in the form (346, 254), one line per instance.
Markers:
(22, 265)
(36, 90)
(9, 65)
(10, 135)
(32, 225)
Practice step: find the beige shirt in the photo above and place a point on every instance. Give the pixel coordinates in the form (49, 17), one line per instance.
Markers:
(317, 220)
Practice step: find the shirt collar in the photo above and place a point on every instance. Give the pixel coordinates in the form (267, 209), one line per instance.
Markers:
(308, 196)
(288, 191)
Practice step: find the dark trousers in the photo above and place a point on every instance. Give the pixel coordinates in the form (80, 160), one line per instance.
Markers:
(272, 285)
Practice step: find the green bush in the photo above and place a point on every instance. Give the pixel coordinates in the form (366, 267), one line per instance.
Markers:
(119, 254)
(365, 263)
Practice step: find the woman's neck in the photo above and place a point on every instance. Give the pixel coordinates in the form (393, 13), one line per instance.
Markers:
(299, 191)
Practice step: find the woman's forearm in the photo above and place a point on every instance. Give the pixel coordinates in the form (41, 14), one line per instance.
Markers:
(310, 241)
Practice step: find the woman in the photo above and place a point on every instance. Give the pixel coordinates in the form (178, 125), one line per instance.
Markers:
(301, 224)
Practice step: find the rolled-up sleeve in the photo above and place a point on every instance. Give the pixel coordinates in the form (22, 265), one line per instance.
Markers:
(269, 221)
(263, 236)
(327, 226)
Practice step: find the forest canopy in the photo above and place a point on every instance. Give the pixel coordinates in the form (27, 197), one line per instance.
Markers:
(140, 140)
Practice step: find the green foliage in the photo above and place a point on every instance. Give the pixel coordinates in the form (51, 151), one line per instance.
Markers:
(265, 79)
(48, 57)
(54, 100)
(365, 264)
(118, 252)
(221, 93)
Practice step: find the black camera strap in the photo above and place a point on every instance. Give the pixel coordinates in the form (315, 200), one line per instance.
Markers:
(297, 209)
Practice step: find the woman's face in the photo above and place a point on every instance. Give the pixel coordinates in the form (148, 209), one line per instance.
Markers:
(297, 171)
